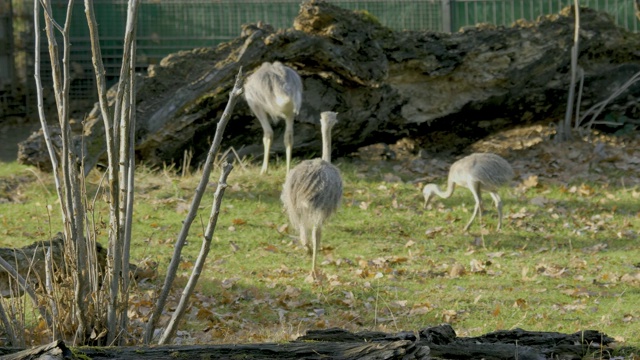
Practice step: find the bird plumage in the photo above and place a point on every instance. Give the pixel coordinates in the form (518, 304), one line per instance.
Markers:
(477, 172)
(312, 192)
(272, 92)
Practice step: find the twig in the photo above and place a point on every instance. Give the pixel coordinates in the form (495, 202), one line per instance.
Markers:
(43, 120)
(129, 186)
(112, 156)
(50, 16)
(204, 251)
(564, 132)
(67, 185)
(8, 328)
(579, 98)
(27, 289)
(125, 108)
(48, 267)
(597, 108)
(193, 209)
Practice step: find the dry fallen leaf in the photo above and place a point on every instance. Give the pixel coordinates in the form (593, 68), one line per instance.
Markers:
(631, 278)
(540, 201)
(228, 283)
(421, 309)
(271, 248)
(238, 221)
(520, 304)
(457, 270)
(530, 182)
(449, 316)
(477, 266)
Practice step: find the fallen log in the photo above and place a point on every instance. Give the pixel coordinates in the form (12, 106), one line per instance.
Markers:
(52, 351)
(444, 91)
(29, 262)
(439, 342)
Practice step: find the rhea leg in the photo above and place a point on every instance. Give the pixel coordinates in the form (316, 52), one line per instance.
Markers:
(288, 140)
(304, 240)
(498, 202)
(267, 139)
(316, 234)
(475, 190)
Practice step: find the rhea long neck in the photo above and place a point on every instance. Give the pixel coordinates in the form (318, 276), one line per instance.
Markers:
(446, 193)
(326, 142)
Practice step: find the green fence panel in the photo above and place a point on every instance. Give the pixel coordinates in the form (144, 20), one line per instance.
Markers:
(505, 12)
(168, 26)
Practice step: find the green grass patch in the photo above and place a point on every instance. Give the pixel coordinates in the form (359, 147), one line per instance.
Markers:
(566, 259)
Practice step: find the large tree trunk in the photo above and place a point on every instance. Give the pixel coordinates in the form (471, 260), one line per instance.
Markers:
(443, 90)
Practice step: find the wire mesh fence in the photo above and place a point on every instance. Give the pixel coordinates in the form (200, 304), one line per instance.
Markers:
(505, 12)
(169, 26)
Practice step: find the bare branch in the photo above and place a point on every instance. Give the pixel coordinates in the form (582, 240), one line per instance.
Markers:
(112, 170)
(67, 182)
(564, 130)
(172, 327)
(43, 120)
(597, 109)
(53, 55)
(193, 209)
(48, 266)
(8, 328)
(27, 289)
(47, 12)
(118, 177)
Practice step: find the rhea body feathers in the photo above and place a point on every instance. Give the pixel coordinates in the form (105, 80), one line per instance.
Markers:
(274, 91)
(477, 172)
(312, 192)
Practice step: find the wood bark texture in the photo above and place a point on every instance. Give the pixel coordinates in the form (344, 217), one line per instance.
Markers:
(29, 261)
(442, 90)
(439, 342)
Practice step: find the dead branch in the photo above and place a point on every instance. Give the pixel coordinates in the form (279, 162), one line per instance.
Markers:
(172, 327)
(193, 209)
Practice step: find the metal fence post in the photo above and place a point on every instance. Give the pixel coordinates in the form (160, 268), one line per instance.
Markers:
(446, 15)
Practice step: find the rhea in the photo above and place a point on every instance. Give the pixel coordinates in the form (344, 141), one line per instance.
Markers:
(312, 192)
(476, 172)
(272, 92)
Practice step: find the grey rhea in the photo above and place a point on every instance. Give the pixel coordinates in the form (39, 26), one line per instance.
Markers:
(477, 172)
(312, 192)
(272, 92)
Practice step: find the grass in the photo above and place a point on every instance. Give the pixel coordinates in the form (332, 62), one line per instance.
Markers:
(566, 259)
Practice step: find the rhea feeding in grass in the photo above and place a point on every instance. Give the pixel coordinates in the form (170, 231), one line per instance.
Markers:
(272, 92)
(312, 192)
(477, 172)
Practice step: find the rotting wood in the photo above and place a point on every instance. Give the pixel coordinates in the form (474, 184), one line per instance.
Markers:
(438, 342)
(29, 261)
(443, 91)
(52, 351)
